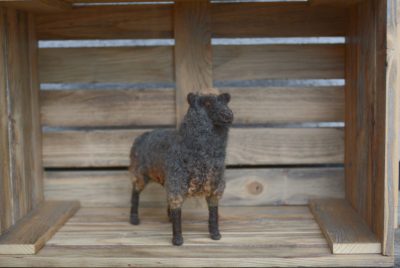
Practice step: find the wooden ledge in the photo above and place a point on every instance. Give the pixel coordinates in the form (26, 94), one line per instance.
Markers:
(30, 234)
(345, 230)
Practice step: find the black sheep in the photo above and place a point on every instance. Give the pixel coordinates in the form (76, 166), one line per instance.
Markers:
(187, 162)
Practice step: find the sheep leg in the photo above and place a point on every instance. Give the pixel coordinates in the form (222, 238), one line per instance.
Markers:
(175, 204)
(138, 187)
(213, 226)
(169, 214)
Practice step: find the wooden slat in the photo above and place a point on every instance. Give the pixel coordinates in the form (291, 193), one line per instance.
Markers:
(371, 159)
(36, 172)
(32, 232)
(108, 107)
(21, 177)
(257, 62)
(80, 108)
(154, 64)
(251, 236)
(345, 230)
(277, 20)
(228, 20)
(5, 180)
(193, 62)
(107, 65)
(254, 146)
(38, 5)
(245, 187)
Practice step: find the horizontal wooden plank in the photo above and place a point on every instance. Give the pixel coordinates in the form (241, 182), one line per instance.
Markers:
(245, 187)
(277, 20)
(345, 230)
(107, 65)
(81, 108)
(246, 146)
(69, 108)
(30, 234)
(258, 62)
(154, 64)
(155, 21)
(272, 236)
(38, 5)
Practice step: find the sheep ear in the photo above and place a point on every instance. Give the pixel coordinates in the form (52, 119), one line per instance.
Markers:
(225, 97)
(191, 99)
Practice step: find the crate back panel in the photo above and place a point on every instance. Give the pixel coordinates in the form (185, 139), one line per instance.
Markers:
(272, 157)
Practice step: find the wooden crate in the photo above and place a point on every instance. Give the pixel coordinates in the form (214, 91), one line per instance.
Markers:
(312, 156)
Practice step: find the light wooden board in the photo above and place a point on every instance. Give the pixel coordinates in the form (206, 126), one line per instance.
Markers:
(36, 171)
(156, 21)
(154, 64)
(251, 146)
(21, 163)
(345, 230)
(257, 62)
(372, 94)
(251, 236)
(75, 108)
(192, 51)
(96, 65)
(85, 108)
(244, 187)
(30, 234)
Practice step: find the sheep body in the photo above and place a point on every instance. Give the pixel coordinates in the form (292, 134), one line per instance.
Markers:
(188, 161)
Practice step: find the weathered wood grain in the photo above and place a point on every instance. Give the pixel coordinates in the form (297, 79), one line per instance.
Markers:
(284, 62)
(107, 65)
(345, 230)
(87, 108)
(154, 64)
(245, 187)
(95, 108)
(38, 5)
(192, 52)
(105, 22)
(30, 234)
(251, 146)
(371, 159)
(36, 172)
(283, 236)
(5, 181)
(228, 20)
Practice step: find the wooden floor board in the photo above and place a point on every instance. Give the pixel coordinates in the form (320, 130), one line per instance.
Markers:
(267, 236)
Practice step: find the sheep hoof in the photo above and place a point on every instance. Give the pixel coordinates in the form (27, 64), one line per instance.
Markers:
(215, 236)
(134, 219)
(177, 240)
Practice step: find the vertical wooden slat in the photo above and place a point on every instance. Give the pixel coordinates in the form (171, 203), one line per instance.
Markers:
(36, 133)
(19, 144)
(193, 66)
(371, 160)
(387, 121)
(5, 182)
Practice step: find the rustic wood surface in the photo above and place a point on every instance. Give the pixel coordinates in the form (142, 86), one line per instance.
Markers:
(36, 171)
(245, 187)
(346, 232)
(31, 233)
(228, 20)
(192, 51)
(251, 146)
(154, 64)
(99, 108)
(371, 157)
(20, 145)
(251, 236)
(5, 187)
(38, 5)
(94, 65)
